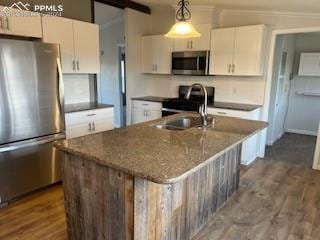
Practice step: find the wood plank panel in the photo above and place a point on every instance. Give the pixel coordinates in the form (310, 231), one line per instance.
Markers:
(98, 200)
(181, 210)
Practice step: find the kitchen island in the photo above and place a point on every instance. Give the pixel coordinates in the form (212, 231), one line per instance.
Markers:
(146, 182)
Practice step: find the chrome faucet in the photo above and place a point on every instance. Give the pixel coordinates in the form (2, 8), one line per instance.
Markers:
(203, 110)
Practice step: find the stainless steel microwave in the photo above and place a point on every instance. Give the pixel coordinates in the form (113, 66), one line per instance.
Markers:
(191, 63)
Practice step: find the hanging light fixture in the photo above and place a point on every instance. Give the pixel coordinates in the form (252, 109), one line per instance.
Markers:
(183, 29)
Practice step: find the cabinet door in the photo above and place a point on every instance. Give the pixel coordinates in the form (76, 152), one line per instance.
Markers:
(195, 44)
(86, 45)
(147, 54)
(138, 115)
(202, 43)
(248, 57)
(60, 31)
(22, 23)
(2, 19)
(309, 64)
(163, 55)
(181, 45)
(102, 125)
(78, 130)
(221, 52)
(153, 115)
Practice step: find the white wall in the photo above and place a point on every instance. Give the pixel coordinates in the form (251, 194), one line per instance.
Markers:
(108, 83)
(76, 88)
(137, 24)
(304, 111)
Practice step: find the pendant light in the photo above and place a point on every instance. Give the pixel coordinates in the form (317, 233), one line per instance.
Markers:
(183, 29)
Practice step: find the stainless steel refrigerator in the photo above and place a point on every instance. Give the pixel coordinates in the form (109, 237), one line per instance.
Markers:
(31, 116)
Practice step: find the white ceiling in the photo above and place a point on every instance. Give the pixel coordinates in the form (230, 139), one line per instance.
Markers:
(104, 14)
(302, 6)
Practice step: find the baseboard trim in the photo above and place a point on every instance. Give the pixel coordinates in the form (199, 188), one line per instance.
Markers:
(304, 132)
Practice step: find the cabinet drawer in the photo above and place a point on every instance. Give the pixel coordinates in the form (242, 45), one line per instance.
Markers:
(84, 117)
(147, 105)
(252, 115)
(84, 129)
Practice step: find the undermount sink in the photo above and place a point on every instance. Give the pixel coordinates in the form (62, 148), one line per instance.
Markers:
(180, 124)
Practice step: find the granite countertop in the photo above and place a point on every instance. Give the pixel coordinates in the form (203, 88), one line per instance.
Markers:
(150, 98)
(216, 104)
(235, 106)
(160, 155)
(78, 107)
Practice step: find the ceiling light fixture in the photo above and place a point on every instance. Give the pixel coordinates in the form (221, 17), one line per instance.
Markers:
(183, 29)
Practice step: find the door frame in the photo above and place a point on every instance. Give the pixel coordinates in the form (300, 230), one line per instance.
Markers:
(316, 161)
(274, 34)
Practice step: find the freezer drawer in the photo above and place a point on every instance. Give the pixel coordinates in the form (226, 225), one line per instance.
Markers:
(27, 169)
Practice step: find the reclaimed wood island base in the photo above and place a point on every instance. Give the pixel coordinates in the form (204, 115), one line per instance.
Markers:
(103, 203)
(119, 186)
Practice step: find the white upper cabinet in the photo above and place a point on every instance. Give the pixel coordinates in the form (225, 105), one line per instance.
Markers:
(156, 52)
(238, 51)
(86, 45)
(60, 31)
(79, 43)
(222, 44)
(309, 64)
(195, 44)
(20, 23)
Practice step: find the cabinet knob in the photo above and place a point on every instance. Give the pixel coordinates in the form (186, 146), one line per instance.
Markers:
(78, 65)
(74, 65)
(93, 126)
(90, 127)
(233, 68)
(229, 68)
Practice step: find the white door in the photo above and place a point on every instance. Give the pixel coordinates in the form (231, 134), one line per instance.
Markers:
(138, 115)
(163, 55)
(147, 54)
(60, 31)
(202, 43)
(222, 44)
(23, 23)
(316, 162)
(247, 50)
(86, 45)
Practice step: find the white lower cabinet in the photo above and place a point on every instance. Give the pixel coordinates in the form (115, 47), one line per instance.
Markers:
(88, 122)
(143, 111)
(251, 147)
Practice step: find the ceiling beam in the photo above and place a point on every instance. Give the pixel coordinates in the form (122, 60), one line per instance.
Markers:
(127, 4)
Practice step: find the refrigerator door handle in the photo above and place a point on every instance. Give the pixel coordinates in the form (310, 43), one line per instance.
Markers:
(30, 143)
(60, 88)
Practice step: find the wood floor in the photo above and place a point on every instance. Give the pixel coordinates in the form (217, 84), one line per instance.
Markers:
(40, 216)
(276, 200)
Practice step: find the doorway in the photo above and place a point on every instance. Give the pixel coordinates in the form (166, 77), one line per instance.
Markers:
(111, 81)
(294, 110)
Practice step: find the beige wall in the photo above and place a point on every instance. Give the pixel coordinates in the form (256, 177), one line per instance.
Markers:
(75, 9)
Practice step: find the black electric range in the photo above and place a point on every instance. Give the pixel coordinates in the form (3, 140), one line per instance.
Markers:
(180, 104)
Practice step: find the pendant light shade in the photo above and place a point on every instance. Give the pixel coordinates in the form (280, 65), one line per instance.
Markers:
(183, 29)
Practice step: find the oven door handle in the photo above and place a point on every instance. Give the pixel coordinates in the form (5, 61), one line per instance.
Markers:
(172, 110)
